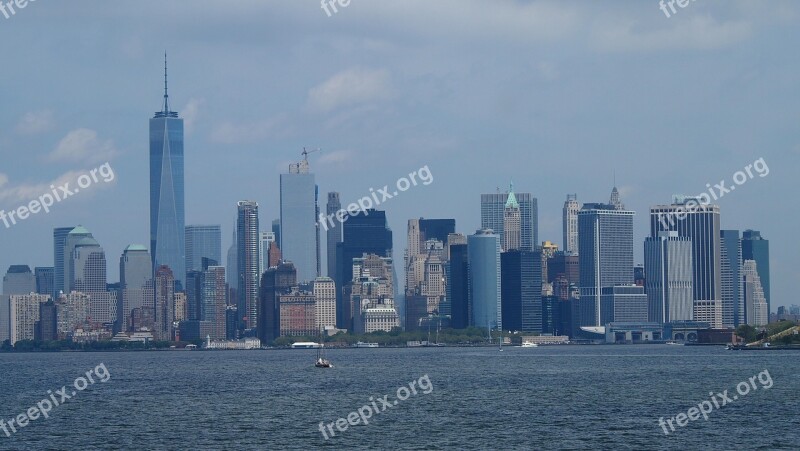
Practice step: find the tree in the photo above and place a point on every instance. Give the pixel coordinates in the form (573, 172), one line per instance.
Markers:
(747, 333)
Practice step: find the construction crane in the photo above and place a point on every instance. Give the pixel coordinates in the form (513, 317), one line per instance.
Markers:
(305, 152)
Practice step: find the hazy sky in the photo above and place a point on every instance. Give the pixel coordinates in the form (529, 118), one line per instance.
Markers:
(554, 95)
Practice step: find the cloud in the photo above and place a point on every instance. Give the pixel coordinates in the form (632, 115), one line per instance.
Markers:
(83, 145)
(248, 132)
(36, 122)
(13, 196)
(190, 113)
(336, 158)
(351, 87)
(695, 33)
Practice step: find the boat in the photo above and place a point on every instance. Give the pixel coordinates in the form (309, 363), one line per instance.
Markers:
(322, 362)
(361, 344)
(528, 344)
(674, 343)
(306, 345)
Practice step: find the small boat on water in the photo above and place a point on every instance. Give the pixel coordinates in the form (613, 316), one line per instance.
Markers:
(322, 362)
(528, 344)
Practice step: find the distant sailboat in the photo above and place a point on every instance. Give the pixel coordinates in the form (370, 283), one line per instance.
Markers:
(322, 362)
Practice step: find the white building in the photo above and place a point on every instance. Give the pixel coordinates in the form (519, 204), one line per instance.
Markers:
(709, 312)
(325, 297)
(73, 312)
(570, 219)
(378, 316)
(755, 302)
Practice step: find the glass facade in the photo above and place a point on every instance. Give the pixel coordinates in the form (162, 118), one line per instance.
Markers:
(299, 227)
(484, 268)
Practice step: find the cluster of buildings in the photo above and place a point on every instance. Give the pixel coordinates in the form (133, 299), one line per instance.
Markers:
(272, 283)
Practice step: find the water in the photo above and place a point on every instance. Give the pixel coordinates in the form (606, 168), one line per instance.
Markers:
(570, 397)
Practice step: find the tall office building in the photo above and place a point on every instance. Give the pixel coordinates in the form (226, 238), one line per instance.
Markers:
(202, 241)
(299, 227)
(731, 275)
(756, 248)
(167, 214)
(521, 290)
(59, 241)
(44, 279)
(605, 255)
(213, 298)
(458, 286)
(701, 224)
(485, 285)
(615, 200)
(492, 217)
(275, 281)
(46, 329)
(24, 313)
(365, 232)
(19, 280)
(265, 241)
(74, 236)
(668, 278)
(247, 252)
(136, 284)
(88, 267)
(512, 223)
(324, 289)
(570, 224)
(756, 311)
(164, 284)
(334, 232)
(436, 229)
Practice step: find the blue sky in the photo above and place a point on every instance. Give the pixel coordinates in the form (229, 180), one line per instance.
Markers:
(557, 96)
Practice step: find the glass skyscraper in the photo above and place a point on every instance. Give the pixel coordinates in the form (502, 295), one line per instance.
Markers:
(59, 241)
(202, 241)
(492, 210)
(484, 278)
(299, 229)
(605, 255)
(248, 264)
(756, 248)
(167, 215)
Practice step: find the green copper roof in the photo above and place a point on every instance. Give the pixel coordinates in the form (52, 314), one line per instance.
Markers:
(80, 230)
(512, 199)
(136, 247)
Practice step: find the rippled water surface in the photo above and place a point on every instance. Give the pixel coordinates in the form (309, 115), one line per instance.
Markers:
(570, 397)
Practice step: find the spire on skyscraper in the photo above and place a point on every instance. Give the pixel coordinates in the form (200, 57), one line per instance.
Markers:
(166, 112)
(512, 199)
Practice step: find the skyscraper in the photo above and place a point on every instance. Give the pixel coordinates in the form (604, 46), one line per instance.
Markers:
(167, 215)
(605, 255)
(59, 241)
(265, 241)
(334, 234)
(202, 241)
(299, 227)
(512, 225)
(756, 248)
(70, 241)
(247, 251)
(365, 232)
(492, 217)
(164, 306)
(213, 300)
(136, 284)
(570, 224)
(458, 287)
(485, 285)
(731, 276)
(756, 311)
(436, 229)
(521, 290)
(275, 281)
(668, 277)
(701, 224)
(19, 280)
(325, 297)
(44, 279)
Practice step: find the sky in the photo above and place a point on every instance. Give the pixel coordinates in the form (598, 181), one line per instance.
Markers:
(558, 96)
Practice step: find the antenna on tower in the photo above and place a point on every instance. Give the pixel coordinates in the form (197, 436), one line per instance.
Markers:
(166, 95)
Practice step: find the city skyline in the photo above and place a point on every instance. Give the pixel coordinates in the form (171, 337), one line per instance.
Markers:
(349, 166)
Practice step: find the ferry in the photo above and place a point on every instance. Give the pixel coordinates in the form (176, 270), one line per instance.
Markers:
(361, 344)
(528, 344)
(306, 345)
